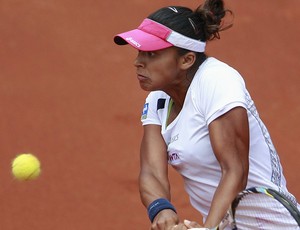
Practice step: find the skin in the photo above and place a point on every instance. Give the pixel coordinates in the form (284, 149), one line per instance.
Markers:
(229, 134)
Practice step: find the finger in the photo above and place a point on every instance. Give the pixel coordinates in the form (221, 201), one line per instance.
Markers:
(192, 225)
(179, 227)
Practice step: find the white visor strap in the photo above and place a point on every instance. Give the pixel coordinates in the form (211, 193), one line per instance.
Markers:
(185, 42)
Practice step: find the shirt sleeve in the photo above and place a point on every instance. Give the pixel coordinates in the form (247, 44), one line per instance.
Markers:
(220, 91)
(153, 110)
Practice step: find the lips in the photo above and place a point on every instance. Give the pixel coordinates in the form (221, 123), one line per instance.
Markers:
(141, 77)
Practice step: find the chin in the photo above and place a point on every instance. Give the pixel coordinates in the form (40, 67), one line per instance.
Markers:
(146, 87)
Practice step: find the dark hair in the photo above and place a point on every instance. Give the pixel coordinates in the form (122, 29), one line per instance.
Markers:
(203, 24)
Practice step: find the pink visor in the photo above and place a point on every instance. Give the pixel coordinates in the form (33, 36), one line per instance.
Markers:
(151, 36)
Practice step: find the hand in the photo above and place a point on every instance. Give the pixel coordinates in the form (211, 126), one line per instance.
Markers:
(188, 225)
(179, 226)
(193, 225)
(165, 220)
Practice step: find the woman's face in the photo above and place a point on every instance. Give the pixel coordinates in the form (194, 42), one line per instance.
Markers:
(158, 70)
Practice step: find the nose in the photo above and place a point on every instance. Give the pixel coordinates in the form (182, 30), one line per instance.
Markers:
(138, 62)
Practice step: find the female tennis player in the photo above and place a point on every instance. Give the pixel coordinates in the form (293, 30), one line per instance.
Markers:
(198, 117)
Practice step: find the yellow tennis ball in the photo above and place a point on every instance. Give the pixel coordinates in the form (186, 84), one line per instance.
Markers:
(26, 167)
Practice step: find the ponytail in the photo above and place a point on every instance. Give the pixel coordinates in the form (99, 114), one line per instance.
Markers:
(210, 17)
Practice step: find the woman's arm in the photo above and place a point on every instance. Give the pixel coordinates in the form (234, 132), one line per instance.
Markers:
(153, 178)
(229, 135)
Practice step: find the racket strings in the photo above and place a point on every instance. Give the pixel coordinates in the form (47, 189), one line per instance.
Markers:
(261, 211)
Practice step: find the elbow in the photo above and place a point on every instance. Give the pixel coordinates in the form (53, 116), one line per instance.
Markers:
(236, 176)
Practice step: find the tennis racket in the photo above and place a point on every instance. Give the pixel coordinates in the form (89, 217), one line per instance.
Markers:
(260, 208)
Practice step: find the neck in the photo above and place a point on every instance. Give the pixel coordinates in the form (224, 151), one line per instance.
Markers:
(178, 94)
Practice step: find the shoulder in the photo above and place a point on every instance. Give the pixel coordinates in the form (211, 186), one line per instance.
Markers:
(214, 71)
(215, 67)
(153, 108)
(157, 94)
(157, 98)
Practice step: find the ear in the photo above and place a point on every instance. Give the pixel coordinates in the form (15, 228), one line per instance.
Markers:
(187, 60)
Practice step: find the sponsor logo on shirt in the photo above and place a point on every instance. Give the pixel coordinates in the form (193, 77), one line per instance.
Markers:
(174, 138)
(145, 111)
(173, 157)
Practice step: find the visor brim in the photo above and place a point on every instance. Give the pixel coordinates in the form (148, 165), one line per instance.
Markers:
(141, 40)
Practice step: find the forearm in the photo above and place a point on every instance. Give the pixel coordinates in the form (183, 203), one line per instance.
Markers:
(151, 188)
(155, 195)
(231, 184)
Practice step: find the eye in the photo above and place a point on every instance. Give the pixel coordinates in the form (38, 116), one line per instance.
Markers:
(151, 53)
(147, 53)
